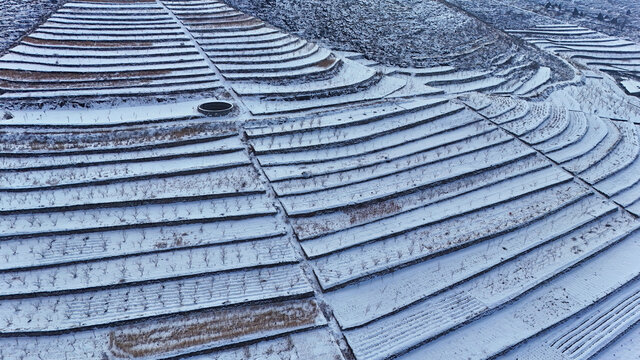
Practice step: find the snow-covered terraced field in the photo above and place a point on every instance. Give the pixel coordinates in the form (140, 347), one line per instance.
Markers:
(523, 80)
(601, 152)
(618, 57)
(105, 48)
(345, 210)
(181, 228)
(269, 68)
(419, 229)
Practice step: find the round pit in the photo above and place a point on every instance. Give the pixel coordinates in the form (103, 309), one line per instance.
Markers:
(215, 108)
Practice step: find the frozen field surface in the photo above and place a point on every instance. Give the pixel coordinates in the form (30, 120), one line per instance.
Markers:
(394, 199)
(19, 16)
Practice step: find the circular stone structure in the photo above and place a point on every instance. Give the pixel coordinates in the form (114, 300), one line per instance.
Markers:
(215, 108)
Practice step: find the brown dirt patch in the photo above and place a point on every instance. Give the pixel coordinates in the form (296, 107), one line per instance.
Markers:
(128, 138)
(225, 24)
(39, 145)
(328, 62)
(372, 211)
(73, 85)
(188, 132)
(214, 18)
(153, 338)
(306, 227)
(20, 75)
(88, 43)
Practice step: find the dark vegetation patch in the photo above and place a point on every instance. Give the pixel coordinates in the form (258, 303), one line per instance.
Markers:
(18, 17)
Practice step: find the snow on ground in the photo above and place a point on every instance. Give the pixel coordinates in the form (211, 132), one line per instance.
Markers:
(347, 208)
(632, 86)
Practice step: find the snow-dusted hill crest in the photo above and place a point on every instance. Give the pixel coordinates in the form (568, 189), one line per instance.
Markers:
(346, 209)
(404, 33)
